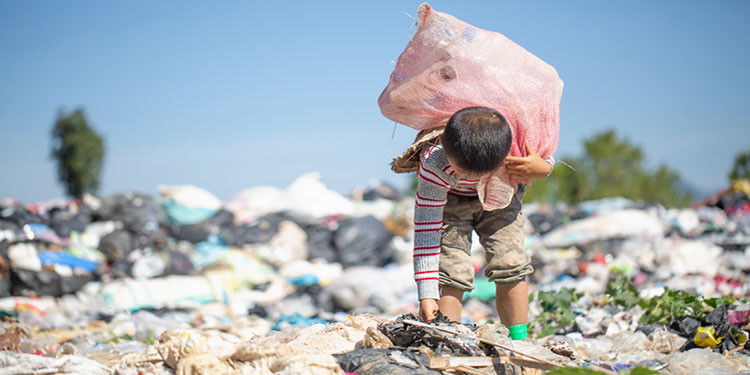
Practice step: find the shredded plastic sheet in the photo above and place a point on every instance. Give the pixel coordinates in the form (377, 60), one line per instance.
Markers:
(450, 65)
(407, 335)
(20, 363)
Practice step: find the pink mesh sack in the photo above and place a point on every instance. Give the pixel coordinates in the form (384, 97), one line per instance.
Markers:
(450, 65)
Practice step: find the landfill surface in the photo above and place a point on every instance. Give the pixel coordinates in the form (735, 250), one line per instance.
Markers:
(304, 280)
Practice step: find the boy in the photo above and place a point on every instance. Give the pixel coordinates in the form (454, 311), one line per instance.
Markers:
(475, 142)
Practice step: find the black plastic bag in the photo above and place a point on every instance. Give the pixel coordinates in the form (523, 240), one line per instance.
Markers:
(140, 213)
(117, 245)
(379, 362)
(46, 283)
(199, 232)
(362, 241)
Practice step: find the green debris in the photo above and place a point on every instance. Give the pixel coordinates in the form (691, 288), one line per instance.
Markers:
(557, 315)
(622, 291)
(718, 301)
(672, 304)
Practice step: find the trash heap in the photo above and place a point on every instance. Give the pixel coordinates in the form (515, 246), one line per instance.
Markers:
(304, 280)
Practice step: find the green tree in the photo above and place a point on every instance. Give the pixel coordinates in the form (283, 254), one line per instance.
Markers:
(741, 167)
(609, 167)
(79, 152)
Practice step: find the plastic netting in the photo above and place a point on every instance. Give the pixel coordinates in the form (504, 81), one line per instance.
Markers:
(449, 65)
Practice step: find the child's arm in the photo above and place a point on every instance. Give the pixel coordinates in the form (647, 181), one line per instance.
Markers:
(528, 167)
(432, 190)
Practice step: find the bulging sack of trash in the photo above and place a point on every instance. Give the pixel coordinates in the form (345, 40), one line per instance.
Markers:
(450, 65)
(188, 204)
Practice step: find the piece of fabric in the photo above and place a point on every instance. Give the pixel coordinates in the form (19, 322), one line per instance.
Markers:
(408, 161)
(450, 65)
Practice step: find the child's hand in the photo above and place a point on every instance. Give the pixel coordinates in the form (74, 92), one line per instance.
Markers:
(527, 167)
(427, 309)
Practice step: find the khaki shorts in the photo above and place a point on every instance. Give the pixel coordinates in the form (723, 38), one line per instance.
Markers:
(500, 233)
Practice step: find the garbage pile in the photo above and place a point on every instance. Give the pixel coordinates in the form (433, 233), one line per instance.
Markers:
(304, 280)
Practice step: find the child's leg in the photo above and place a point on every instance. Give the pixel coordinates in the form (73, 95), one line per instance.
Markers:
(508, 265)
(512, 303)
(456, 270)
(450, 303)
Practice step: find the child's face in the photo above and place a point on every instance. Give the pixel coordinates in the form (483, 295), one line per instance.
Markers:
(462, 172)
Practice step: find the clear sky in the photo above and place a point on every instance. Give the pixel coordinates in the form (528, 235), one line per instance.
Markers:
(233, 94)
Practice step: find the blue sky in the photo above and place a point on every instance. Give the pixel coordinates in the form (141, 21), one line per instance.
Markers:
(233, 94)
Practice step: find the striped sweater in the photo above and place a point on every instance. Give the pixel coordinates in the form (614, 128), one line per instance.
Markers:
(435, 180)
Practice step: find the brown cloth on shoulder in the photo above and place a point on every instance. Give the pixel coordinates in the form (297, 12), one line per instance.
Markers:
(408, 161)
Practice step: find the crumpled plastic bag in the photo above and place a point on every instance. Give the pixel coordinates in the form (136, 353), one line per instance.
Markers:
(384, 361)
(283, 359)
(450, 65)
(339, 338)
(21, 363)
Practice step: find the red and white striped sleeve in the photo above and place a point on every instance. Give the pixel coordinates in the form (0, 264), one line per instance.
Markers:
(432, 189)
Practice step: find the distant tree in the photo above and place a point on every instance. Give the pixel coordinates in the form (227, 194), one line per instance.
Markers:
(79, 152)
(741, 167)
(610, 167)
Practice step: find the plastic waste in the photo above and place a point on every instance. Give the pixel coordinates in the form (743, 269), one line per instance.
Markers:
(483, 289)
(20, 363)
(188, 204)
(700, 361)
(131, 294)
(685, 221)
(139, 213)
(740, 315)
(663, 341)
(117, 320)
(604, 205)
(49, 258)
(288, 245)
(285, 359)
(362, 241)
(379, 361)
(48, 282)
(465, 342)
(296, 320)
(117, 245)
(10, 336)
(42, 232)
(23, 256)
(303, 272)
(377, 190)
(305, 196)
(208, 252)
(616, 224)
(259, 231)
(689, 256)
(148, 266)
(320, 241)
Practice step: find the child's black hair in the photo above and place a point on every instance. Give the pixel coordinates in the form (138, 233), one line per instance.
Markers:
(477, 139)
